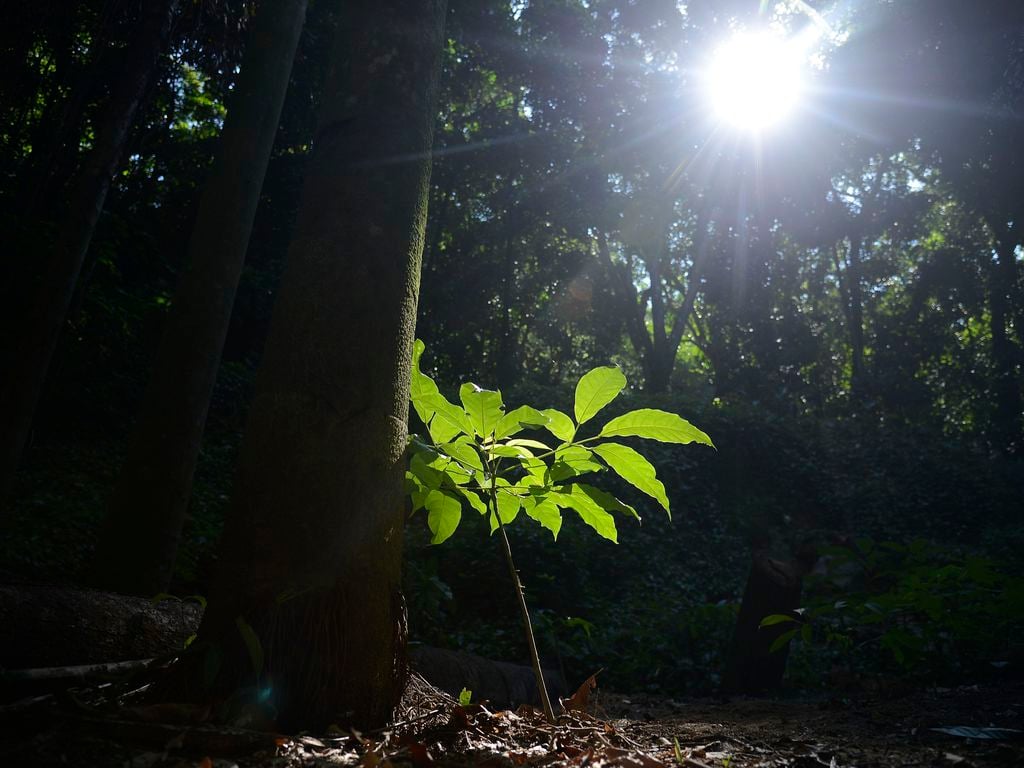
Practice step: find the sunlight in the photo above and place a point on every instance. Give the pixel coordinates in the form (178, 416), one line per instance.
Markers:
(754, 80)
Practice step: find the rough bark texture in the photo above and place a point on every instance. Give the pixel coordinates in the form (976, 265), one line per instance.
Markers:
(312, 547)
(140, 540)
(29, 342)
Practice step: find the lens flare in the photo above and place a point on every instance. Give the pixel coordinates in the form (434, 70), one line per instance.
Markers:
(754, 80)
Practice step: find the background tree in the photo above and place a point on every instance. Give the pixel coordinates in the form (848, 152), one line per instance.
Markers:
(40, 318)
(136, 554)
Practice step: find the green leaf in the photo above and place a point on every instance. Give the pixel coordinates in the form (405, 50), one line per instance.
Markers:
(252, 644)
(421, 386)
(596, 389)
(448, 421)
(606, 501)
(465, 697)
(635, 470)
(515, 420)
(775, 618)
(419, 497)
(572, 461)
(545, 512)
(484, 408)
(508, 508)
(559, 425)
(655, 425)
(444, 514)
(427, 468)
(529, 444)
(474, 500)
(465, 453)
(589, 511)
(782, 639)
(510, 452)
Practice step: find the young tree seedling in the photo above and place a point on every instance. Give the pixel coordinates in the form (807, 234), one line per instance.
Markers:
(472, 455)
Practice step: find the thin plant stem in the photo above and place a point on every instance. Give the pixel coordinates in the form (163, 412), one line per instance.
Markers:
(524, 612)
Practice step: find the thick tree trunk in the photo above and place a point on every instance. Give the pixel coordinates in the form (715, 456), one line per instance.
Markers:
(140, 540)
(312, 547)
(30, 341)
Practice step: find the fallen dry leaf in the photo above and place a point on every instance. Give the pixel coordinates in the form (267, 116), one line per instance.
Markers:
(580, 701)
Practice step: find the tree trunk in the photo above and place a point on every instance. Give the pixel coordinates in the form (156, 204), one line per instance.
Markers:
(311, 553)
(848, 276)
(140, 540)
(1009, 424)
(32, 338)
(773, 587)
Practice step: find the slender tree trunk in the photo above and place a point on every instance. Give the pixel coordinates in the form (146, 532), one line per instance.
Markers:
(30, 341)
(1009, 427)
(140, 540)
(627, 301)
(312, 547)
(853, 307)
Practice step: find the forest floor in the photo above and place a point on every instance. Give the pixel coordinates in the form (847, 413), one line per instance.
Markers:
(863, 729)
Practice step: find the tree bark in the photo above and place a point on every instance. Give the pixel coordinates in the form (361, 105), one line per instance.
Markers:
(30, 341)
(311, 553)
(140, 540)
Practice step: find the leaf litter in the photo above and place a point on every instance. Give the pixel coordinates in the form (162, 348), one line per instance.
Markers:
(101, 727)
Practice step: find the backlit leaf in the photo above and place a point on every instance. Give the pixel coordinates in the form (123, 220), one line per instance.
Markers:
(465, 453)
(444, 512)
(596, 389)
(544, 512)
(655, 425)
(517, 419)
(448, 421)
(484, 408)
(474, 500)
(511, 452)
(559, 425)
(508, 508)
(589, 511)
(572, 461)
(634, 469)
(607, 501)
(421, 385)
(529, 444)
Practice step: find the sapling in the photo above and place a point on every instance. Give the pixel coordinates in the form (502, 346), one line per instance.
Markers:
(472, 455)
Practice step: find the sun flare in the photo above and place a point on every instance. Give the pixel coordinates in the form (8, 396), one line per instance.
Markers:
(754, 80)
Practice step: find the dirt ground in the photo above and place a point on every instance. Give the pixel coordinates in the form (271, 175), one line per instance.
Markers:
(864, 729)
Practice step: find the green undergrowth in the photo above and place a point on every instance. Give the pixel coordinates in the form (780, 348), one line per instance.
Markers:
(656, 610)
